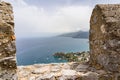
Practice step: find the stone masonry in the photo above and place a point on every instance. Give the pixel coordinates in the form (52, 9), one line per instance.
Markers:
(7, 43)
(104, 50)
(105, 37)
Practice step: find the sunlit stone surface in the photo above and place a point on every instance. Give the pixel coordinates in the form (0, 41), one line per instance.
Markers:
(7, 43)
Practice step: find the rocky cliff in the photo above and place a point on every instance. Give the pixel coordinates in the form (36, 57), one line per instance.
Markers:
(7, 43)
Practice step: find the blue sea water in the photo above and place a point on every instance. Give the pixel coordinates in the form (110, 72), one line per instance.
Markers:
(41, 50)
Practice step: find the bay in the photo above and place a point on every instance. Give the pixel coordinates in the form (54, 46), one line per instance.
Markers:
(40, 50)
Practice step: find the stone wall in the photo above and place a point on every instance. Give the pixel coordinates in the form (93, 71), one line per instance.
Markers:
(105, 37)
(104, 50)
(7, 43)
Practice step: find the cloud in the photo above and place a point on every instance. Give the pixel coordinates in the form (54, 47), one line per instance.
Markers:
(93, 3)
(31, 20)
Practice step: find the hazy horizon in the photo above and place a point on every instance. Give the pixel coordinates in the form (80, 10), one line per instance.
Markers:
(51, 17)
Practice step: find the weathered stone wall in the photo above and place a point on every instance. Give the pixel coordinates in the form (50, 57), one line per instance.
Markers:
(7, 43)
(104, 50)
(105, 37)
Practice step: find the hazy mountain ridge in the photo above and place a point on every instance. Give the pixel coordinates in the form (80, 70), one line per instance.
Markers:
(79, 34)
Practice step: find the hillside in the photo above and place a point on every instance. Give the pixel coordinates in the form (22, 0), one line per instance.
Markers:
(79, 34)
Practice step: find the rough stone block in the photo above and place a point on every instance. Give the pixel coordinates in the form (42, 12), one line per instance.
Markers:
(105, 37)
(7, 43)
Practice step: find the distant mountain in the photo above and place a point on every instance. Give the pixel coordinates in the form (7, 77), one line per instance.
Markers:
(79, 34)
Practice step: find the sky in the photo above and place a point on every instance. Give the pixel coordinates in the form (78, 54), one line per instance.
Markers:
(41, 18)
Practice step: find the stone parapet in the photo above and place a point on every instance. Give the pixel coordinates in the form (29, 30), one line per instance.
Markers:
(105, 37)
(64, 71)
(7, 43)
(104, 61)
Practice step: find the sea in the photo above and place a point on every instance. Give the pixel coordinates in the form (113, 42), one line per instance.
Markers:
(40, 50)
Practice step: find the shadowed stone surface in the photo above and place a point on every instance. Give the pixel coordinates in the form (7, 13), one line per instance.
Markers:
(105, 37)
(7, 43)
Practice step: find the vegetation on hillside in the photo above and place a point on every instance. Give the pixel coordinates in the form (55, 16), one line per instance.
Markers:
(79, 34)
(73, 56)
